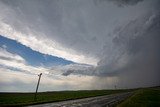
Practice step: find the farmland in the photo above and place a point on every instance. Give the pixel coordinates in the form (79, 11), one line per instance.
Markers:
(149, 97)
(143, 97)
(19, 99)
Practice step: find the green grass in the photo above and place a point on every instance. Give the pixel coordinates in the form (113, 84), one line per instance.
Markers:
(19, 99)
(143, 98)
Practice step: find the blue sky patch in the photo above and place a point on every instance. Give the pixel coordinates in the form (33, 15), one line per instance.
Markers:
(32, 57)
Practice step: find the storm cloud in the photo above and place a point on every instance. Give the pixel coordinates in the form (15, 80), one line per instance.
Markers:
(115, 41)
(124, 2)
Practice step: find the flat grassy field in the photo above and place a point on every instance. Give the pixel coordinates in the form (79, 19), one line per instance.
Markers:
(143, 98)
(20, 99)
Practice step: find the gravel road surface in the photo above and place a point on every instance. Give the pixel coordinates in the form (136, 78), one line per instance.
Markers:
(100, 101)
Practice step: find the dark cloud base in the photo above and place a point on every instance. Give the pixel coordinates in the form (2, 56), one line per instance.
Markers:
(143, 50)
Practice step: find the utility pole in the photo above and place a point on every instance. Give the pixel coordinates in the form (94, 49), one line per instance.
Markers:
(115, 87)
(35, 97)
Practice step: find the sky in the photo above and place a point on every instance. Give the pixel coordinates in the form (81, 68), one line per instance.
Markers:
(79, 44)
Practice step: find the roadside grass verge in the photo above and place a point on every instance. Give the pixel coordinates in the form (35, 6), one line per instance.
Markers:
(21, 99)
(143, 98)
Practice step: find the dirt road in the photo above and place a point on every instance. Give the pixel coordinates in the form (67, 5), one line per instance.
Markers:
(100, 101)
